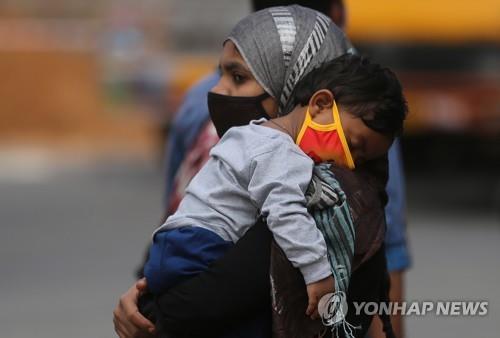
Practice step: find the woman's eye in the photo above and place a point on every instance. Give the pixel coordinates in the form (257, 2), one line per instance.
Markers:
(238, 79)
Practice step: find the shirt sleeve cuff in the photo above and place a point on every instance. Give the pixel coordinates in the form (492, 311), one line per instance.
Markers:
(398, 257)
(317, 270)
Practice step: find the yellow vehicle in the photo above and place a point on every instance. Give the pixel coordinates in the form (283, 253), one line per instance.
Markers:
(447, 54)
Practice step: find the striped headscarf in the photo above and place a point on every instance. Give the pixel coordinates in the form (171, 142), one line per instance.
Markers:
(282, 44)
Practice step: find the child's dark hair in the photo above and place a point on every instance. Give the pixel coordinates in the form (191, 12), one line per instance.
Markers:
(366, 89)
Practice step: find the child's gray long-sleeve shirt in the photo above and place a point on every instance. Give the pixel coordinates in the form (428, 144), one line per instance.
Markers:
(255, 170)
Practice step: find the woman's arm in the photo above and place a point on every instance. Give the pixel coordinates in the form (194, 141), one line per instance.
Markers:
(234, 287)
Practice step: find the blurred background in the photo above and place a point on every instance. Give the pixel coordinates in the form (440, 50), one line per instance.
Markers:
(88, 90)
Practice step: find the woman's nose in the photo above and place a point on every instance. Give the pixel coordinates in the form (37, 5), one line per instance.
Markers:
(220, 88)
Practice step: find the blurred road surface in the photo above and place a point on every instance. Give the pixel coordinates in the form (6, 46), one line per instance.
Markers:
(71, 239)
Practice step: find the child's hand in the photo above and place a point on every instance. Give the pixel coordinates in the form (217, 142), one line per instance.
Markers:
(315, 291)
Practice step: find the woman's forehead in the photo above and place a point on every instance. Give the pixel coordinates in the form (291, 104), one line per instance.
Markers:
(231, 56)
(229, 49)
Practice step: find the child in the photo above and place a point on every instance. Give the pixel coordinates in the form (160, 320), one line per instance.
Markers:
(347, 111)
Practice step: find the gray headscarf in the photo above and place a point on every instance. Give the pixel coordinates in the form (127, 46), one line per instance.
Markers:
(282, 44)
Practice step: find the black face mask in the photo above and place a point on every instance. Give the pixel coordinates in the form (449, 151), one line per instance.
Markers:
(232, 111)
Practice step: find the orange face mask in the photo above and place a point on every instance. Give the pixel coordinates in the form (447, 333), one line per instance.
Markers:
(325, 142)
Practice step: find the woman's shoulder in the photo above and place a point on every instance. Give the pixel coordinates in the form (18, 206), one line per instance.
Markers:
(365, 192)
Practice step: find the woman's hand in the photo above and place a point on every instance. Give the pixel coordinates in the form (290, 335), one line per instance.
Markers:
(128, 321)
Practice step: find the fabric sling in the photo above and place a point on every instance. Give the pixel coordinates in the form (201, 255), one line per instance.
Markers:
(327, 203)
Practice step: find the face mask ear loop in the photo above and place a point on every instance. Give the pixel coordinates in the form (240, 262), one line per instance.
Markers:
(340, 130)
(335, 114)
(261, 99)
(263, 96)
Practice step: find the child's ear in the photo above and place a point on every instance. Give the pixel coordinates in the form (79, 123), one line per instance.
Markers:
(320, 101)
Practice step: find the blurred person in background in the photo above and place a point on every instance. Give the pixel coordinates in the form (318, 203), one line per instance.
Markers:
(236, 289)
(193, 135)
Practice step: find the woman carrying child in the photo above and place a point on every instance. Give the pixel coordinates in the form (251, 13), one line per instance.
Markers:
(267, 54)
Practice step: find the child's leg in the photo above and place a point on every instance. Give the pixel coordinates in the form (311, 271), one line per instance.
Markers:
(256, 326)
(174, 256)
(178, 254)
(147, 306)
